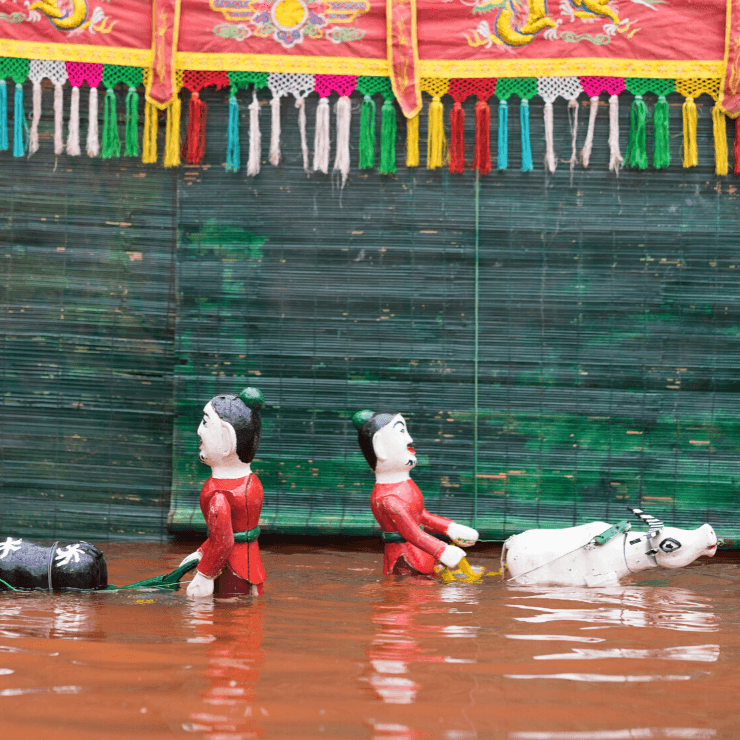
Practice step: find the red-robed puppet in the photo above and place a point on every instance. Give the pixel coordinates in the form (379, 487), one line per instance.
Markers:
(231, 499)
(398, 504)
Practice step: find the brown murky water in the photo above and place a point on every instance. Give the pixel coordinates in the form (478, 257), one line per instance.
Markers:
(334, 650)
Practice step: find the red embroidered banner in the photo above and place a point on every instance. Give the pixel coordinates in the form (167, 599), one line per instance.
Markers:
(165, 27)
(403, 54)
(456, 38)
(730, 95)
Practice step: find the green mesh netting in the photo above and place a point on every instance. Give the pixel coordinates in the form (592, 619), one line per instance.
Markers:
(242, 80)
(372, 85)
(642, 85)
(16, 69)
(113, 74)
(524, 87)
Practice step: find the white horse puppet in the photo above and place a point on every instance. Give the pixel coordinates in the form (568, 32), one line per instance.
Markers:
(597, 554)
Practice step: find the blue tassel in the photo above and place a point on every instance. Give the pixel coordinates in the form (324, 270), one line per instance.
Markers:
(232, 150)
(503, 135)
(526, 146)
(3, 116)
(19, 123)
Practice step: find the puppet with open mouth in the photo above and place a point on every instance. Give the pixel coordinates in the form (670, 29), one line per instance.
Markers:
(398, 504)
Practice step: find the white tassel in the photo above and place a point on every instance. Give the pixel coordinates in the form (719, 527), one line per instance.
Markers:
(615, 156)
(344, 116)
(275, 131)
(93, 145)
(550, 151)
(573, 105)
(300, 103)
(73, 139)
(586, 151)
(255, 138)
(33, 136)
(321, 138)
(58, 120)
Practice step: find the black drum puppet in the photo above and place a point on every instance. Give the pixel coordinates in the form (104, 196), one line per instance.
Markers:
(66, 565)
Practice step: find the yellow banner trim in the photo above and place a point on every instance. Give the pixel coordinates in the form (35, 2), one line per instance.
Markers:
(370, 67)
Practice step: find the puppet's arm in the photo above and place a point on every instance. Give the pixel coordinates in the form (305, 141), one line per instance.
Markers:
(216, 549)
(448, 555)
(458, 533)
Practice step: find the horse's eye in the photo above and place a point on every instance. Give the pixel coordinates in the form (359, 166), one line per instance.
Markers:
(669, 545)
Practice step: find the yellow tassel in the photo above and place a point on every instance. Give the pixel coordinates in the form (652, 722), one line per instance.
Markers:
(720, 141)
(690, 155)
(149, 145)
(412, 141)
(436, 142)
(172, 136)
(447, 576)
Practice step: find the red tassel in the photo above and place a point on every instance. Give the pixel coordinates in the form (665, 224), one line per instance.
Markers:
(737, 146)
(482, 157)
(457, 127)
(195, 139)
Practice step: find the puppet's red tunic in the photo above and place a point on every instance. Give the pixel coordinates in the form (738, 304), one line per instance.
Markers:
(231, 505)
(399, 507)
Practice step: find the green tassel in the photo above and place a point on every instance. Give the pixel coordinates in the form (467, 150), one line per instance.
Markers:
(132, 123)
(111, 140)
(367, 134)
(388, 138)
(662, 138)
(637, 155)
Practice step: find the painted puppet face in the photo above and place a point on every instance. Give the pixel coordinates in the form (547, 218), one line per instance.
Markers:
(393, 446)
(217, 437)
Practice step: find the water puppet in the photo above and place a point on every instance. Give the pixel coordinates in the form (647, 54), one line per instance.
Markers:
(63, 566)
(229, 561)
(398, 504)
(597, 554)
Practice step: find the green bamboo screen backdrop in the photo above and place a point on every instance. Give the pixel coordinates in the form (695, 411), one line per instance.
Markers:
(562, 345)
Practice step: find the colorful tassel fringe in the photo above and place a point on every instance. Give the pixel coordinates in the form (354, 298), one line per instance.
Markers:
(151, 126)
(195, 137)
(111, 138)
(172, 134)
(19, 122)
(3, 116)
(93, 143)
(321, 141)
(615, 155)
(661, 135)
(457, 141)
(388, 128)
(721, 164)
(132, 123)
(503, 134)
(367, 133)
(412, 141)
(344, 117)
(482, 156)
(690, 154)
(255, 137)
(232, 149)
(436, 143)
(638, 137)
(527, 164)
(73, 137)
